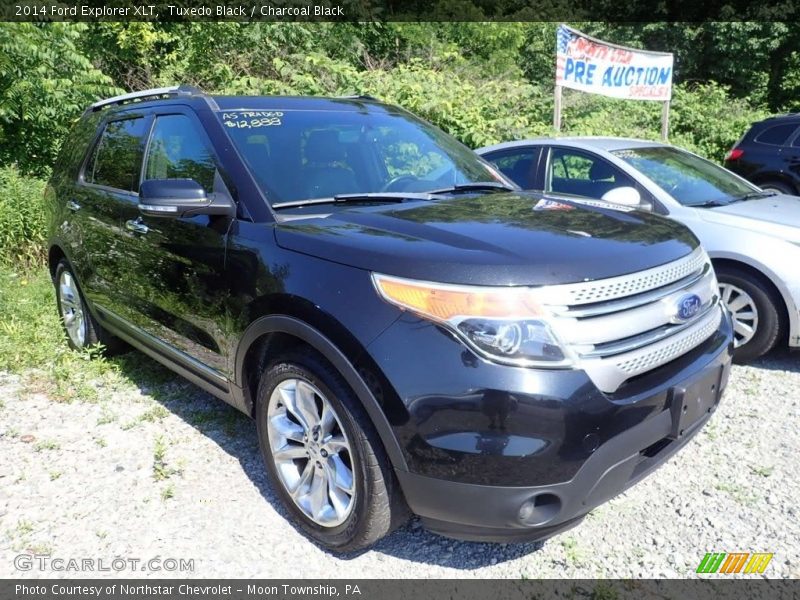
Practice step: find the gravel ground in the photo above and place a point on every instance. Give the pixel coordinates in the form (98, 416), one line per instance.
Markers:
(169, 472)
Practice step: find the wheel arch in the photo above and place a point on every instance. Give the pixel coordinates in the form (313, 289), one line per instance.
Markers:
(788, 318)
(273, 334)
(54, 255)
(774, 176)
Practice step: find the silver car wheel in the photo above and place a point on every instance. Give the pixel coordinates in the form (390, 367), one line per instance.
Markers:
(71, 309)
(743, 310)
(311, 452)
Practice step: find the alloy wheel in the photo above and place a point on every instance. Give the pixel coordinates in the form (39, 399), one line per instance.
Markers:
(71, 309)
(311, 452)
(743, 310)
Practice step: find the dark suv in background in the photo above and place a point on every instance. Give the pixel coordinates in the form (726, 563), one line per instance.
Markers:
(769, 154)
(407, 329)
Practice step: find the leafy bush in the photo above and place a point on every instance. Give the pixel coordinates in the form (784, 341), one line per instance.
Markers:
(481, 82)
(22, 219)
(45, 84)
(703, 118)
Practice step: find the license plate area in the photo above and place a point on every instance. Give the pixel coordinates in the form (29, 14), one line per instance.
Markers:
(690, 403)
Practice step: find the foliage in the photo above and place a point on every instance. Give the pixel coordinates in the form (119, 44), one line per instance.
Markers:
(482, 82)
(22, 218)
(32, 345)
(31, 337)
(45, 83)
(703, 118)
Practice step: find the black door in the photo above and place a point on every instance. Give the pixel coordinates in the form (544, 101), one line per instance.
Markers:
(176, 280)
(106, 185)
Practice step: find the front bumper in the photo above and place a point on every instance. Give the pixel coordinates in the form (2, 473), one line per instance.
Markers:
(483, 485)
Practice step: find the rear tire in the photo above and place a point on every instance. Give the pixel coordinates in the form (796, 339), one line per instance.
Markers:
(315, 436)
(755, 310)
(80, 327)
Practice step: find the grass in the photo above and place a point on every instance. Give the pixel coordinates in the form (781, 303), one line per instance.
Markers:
(24, 527)
(572, 550)
(40, 549)
(151, 415)
(161, 469)
(168, 492)
(32, 345)
(22, 218)
(739, 493)
(46, 445)
(762, 471)
(106, 418)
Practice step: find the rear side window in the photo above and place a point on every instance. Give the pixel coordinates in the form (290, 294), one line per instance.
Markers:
(518, 165)
(777, 135)
(117, 157)
(178, 150)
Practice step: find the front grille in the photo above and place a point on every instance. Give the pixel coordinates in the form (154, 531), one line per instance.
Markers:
(622, 327)
(628, 285)
(641, 363)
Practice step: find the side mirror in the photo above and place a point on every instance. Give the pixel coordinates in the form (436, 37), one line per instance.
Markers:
(625, 195)
(181, 198)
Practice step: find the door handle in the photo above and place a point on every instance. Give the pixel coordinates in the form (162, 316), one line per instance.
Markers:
(73, 206)
(136, 226)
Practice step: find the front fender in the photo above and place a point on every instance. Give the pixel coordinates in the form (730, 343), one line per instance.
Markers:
(314, 338)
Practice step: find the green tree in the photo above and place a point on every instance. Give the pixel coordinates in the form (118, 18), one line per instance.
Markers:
(45, 84)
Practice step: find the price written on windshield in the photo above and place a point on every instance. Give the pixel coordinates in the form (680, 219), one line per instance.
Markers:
(252, 119)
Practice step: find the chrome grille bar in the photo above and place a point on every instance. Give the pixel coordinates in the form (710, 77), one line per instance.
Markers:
(621, 327)
(590, 292)
(637, 300)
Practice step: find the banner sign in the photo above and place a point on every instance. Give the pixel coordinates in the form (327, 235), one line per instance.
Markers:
(589, 65)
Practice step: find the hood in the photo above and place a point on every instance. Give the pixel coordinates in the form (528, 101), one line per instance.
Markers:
(492, 239)
(778, 216)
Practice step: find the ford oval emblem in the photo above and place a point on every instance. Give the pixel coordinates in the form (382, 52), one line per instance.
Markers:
(687, 307)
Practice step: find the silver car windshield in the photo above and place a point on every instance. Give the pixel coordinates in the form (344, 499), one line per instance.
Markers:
(689, 179)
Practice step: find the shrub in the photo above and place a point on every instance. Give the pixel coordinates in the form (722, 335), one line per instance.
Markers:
(703, 118)
(22, 219)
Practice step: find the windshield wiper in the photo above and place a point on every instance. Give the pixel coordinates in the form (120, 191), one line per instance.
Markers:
(361, 197)
(756, 195)
(709, 204)
(476, 186)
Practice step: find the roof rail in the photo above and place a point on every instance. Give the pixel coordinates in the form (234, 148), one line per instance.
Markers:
(359, 97)
(175, 90)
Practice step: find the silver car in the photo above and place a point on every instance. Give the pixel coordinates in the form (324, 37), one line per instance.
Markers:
(752, 235)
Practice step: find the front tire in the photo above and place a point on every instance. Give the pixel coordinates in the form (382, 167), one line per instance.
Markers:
(755, 312)
(324, 457)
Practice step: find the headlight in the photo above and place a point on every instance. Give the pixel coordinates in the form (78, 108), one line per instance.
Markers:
(508, 325)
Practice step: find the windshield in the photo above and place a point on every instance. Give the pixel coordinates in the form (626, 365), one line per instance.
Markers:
(302, 155)
(689, 179)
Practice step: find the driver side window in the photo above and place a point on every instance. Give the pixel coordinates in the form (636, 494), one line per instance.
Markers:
(581, 174)
(406, 157)
(178, 150)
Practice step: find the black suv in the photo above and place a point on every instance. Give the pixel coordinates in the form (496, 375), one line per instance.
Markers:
(769, 154)
(407, 329)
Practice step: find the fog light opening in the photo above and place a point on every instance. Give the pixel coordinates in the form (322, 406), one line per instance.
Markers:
(540, 509)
